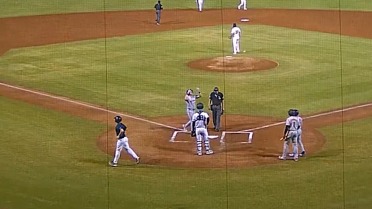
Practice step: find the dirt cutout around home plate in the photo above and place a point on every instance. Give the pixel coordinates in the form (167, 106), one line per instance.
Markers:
(233, 64)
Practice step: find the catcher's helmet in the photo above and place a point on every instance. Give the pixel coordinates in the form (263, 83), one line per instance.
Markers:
(118, 119)
(199, 106)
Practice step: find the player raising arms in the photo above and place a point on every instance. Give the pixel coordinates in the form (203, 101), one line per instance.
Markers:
(190, 105)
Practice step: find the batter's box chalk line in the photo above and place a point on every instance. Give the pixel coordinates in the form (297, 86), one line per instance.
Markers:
(174, 135)
(249, 136)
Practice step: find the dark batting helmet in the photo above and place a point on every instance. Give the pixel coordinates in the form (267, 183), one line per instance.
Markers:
(296, 112)
(291, 112)
(118, 119)
(199, 106)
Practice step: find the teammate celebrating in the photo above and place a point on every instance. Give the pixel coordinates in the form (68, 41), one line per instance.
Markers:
(190, 105)
(199, 126)
(290, 135)
(122, 142)
(235, 36)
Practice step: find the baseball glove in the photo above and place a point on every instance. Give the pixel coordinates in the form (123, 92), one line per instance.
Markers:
(193, 134)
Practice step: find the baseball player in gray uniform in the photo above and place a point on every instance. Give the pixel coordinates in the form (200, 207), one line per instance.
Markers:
(190, 105)
(200, 121)
(290, 135)
(299, 135)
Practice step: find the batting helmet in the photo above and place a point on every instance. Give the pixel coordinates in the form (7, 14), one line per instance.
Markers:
(296, 112)
(118, 119)
(234, 24)
(199, 106)
(189, 91)
(291, 112)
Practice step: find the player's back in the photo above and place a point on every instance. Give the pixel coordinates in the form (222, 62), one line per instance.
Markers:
(293, 123)
(235, 31)
(200, 119)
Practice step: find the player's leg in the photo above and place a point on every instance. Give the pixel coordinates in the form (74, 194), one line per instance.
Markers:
(285, 150)
(295, 145)
(119, 148)
(240, 5)
(190, 113)
(245, 4)
(299, 140)
(128, 149)
(199, 139)
(233, 46)
(214, 115)
(238, 45)
(218, 118)
(207, 145)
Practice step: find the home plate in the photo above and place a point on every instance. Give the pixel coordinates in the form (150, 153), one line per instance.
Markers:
(244, 20)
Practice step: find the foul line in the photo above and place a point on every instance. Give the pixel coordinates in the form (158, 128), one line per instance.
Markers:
(312, 116)
(88, 105)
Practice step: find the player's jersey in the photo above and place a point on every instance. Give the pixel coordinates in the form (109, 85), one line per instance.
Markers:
(300, 122)
(117, 129)
(190, 102)
(293, 123)
(235, 32)
(200, 119)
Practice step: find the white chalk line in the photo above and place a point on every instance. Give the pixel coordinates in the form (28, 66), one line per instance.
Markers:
(88, 105)
(312, 116)
(164, 125)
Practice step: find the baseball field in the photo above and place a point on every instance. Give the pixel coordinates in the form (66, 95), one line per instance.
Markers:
(68, 67)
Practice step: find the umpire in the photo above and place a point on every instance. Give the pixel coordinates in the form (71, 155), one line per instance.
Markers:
(158, 7)
(216, 104)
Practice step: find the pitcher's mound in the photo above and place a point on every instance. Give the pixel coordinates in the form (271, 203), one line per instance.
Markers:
(233, 64)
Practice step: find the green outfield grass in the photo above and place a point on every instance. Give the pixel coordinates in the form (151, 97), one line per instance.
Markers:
(36, 7)
(49, 160)
(148, 78)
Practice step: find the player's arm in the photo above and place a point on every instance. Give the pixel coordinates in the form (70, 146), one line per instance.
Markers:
(286, 129)
(120, 133)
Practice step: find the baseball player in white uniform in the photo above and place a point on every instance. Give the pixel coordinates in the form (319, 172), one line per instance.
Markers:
(235, 36)
(199, 4)
(290, 135)
(200, 121)
(190, 105)
(243, 3)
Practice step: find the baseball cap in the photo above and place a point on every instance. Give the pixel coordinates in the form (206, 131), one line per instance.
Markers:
(215, 88)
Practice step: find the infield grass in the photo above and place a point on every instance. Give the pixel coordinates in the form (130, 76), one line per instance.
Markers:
(11, 8)
(317, 71)
(50, 160)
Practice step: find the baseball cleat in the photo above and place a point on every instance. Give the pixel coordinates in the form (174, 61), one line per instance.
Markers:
(209, 152)
(295, 159)
(302, 154)
(137, 160)
(281, 158)
(199, 153)
(291, 155)
(112, 164)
